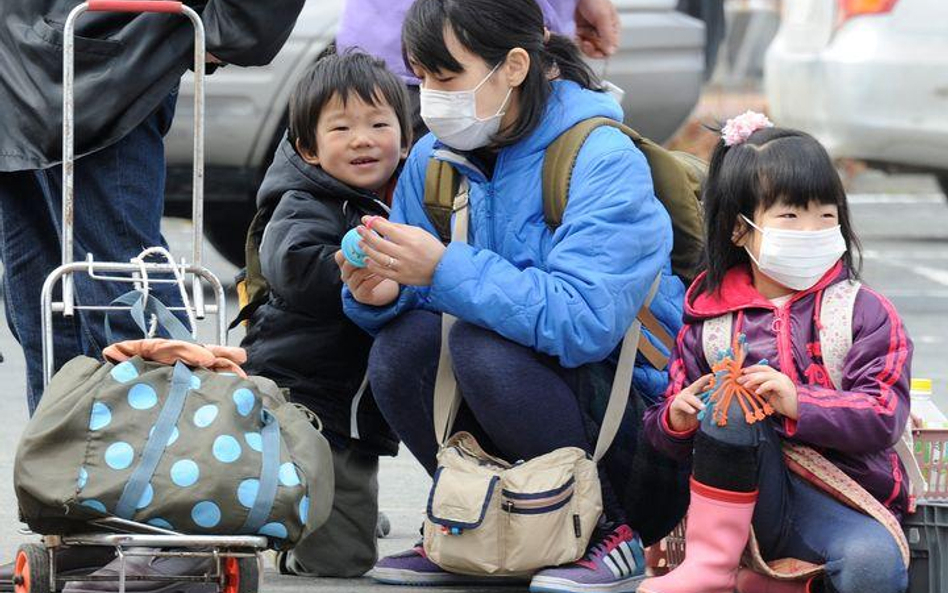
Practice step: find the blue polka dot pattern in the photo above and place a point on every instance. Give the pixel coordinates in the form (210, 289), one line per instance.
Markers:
(148, 494)
(304, 509)
(195, 382)
(142, 396)
(273, 530)
(159, 522)
(254, 441)
(226, 449)
(101, 416)
(94, 504)
(245, 401)
(119, 455)
(205, 416)
(124, 372)
(185, 473)
(83, 478)
(206, 514)
(247, 492)
(289, 475)
(171, 439)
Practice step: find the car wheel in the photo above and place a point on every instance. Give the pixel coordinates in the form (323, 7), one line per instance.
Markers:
(225, 226)
(943, 183)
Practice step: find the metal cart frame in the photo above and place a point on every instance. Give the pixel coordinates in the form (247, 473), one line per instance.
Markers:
(236, 559)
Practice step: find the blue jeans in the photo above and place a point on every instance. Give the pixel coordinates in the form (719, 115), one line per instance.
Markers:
(118, 205)
(793, 519)
(519, 404)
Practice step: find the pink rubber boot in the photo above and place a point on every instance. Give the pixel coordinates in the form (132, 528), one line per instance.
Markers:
(717, 531)
(749, 581)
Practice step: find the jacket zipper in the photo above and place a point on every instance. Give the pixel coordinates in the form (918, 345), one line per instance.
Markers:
(536, 506)
(781, 327)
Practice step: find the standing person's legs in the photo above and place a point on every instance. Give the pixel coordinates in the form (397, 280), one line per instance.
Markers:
(118, 204)
(30, 249)
(345, 546)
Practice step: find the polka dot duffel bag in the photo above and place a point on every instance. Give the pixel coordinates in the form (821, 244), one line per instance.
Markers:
(185, 449)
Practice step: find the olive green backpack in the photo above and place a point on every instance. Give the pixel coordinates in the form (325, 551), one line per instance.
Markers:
(676, 176)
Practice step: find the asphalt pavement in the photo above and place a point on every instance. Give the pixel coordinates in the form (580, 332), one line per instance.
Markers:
(902, 222)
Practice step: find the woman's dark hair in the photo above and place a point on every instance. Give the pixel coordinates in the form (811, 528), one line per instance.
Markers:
(490, 29)
(352, 72)
(774, 165)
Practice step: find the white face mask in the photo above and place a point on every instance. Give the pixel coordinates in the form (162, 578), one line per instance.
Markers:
(798, 259)
(452, 116)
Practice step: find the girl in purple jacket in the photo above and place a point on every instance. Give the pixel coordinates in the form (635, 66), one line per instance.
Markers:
(779, 237)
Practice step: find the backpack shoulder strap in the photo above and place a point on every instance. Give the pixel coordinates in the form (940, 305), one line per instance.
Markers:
(441, 185)
(717, 337)
(836, 338)
(836, 327)
(252, 288)
(558, 162)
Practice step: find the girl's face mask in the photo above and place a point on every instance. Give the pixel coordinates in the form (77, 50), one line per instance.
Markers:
(452, 116)
(797, 259)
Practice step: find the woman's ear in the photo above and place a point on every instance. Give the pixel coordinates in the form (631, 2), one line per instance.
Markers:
(306, 155)
(740, 235)
(516, 66)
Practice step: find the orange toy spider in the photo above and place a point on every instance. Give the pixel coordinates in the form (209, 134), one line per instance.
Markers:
(724, 388)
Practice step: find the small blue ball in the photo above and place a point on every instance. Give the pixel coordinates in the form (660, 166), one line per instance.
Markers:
(350, 248)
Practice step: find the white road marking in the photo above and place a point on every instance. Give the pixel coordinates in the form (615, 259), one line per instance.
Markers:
(863, 199)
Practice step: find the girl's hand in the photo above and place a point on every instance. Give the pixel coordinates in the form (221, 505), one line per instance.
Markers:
(366, 287)
(775, 386)
(683, 411)
(405, 254)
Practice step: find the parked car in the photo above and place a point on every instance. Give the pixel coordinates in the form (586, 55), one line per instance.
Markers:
(868, 78)
(660, 65)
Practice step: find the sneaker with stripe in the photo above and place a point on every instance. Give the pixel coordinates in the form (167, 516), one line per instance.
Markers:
(615, 563)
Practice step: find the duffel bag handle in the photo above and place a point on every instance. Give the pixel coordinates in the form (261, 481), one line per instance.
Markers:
(141, 304)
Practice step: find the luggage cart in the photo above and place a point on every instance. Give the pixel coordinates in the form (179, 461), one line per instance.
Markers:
(236, 560)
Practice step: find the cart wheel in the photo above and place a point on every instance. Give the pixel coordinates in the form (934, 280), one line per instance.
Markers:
(241, 575)
(31, 569)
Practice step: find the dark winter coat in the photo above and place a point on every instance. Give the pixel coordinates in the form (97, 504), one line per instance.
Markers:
(300, 338)
(126, 64)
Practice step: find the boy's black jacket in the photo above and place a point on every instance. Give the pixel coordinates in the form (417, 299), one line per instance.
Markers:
(300, 337)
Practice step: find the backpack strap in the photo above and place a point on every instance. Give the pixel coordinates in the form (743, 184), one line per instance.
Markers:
(836, 327)
(717, 335)
(252, 287)
(836, 338)
(441, 186)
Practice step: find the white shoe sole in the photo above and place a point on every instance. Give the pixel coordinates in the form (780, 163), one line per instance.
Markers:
(545, 584)
(398, 576)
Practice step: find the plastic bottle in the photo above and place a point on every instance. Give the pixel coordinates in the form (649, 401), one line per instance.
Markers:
(924, 407)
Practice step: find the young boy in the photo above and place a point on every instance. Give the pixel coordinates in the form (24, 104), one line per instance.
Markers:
(349, 128)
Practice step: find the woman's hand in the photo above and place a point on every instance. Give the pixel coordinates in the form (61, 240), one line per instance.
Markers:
(683, 411)
(403, 253)
(366, 287)
(775, 386)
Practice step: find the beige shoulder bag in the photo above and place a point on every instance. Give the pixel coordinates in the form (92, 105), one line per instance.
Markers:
(488, 516)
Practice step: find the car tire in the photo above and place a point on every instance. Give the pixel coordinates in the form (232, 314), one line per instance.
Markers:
(225, 227)
(943, 183)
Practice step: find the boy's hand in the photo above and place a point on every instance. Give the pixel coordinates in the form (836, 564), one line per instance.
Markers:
(683, 411)
(775, 386)
(403, 253)
(366, 287)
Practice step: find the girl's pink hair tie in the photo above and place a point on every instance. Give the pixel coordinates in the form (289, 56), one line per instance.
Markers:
(738, 129)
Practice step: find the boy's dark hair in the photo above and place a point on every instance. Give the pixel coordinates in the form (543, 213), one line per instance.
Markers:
(774, 165)
(352, 72)
(490, 29)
